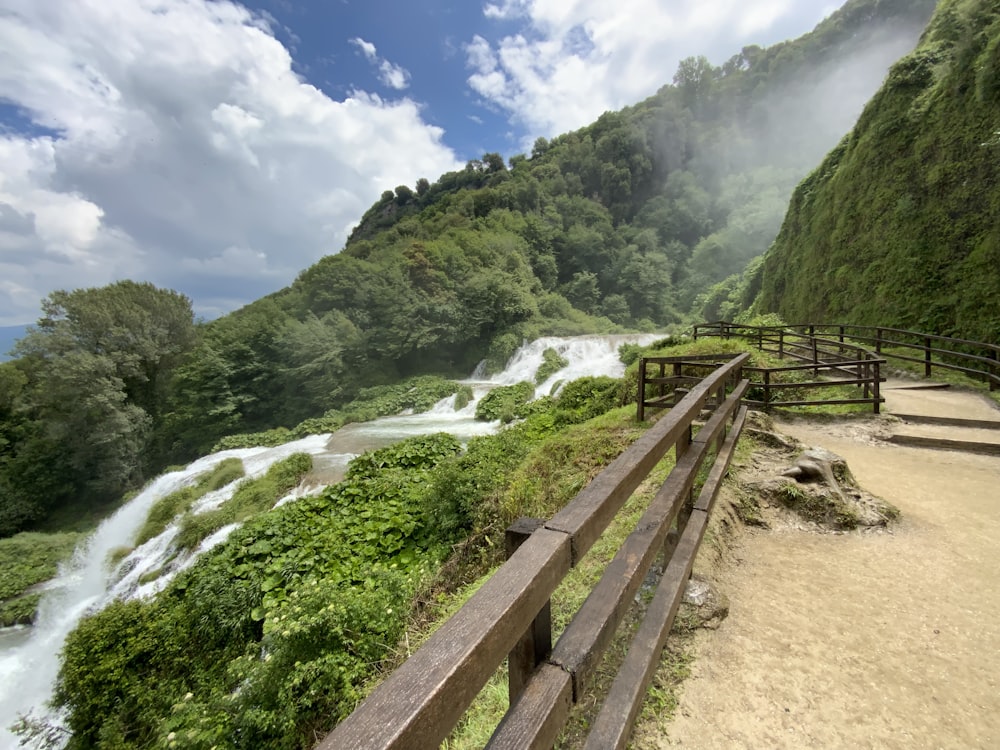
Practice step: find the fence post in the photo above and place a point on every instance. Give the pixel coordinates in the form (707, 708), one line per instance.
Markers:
(536, 643)
(994, 371)
(875, 387)
(878, 340)
(781, 343)
(760, 338)
(640, 411)
(767, 390)
(680, 447)
(815, 354)
(927, 357)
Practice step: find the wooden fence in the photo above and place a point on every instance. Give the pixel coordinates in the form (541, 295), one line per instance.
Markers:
(420, 703)
(838, 362)
(976, 359)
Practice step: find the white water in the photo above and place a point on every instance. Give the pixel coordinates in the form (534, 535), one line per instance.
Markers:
(29, 657)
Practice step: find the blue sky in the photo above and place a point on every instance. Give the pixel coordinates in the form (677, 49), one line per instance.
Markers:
(220, 148)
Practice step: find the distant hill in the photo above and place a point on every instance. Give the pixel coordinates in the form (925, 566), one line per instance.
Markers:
(900, 224)
(623, 224)
(8, 335)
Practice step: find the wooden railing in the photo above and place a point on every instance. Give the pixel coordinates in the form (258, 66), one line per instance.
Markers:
(838, 362)
(976, 359)
(420, 703)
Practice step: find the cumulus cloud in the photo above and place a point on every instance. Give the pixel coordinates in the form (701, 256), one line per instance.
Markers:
(571, 60)
(392, 75)
(175, 144)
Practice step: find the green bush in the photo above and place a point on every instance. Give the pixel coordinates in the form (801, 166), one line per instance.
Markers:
(421, 452)
(251, 497)
(505, 402)
(268, 640)
(27, 559)
(552, 362)
(463, 396)
(588, 397)
(170, 506)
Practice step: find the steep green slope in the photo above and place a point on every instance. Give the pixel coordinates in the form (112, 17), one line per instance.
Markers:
(900, 225)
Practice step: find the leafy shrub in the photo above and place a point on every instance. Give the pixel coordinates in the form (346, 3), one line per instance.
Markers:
(268, 639)
(27, 559)
(506, 402)
(19, 611)
(588, 397)
(421, 452)
(251, 497)
(552, 362)
(266, 439)
(463, 396)
(629, 353)
(170, 506)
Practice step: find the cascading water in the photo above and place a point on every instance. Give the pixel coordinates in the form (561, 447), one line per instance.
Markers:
(29, 659)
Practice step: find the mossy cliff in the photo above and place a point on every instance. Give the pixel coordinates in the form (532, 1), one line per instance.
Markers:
(899, 224)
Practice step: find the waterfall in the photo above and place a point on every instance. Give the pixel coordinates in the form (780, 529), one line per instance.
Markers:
(29, 662)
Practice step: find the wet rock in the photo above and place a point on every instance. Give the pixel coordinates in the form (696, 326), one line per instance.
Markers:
(814, 484)
(703, 606)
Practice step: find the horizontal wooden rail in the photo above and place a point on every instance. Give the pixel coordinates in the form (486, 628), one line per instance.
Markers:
(854, 364)
(419, 704)
(977, 359)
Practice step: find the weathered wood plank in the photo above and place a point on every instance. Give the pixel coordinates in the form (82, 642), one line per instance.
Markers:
(710, 490)
(980, 424)
(613, 725)
(417, 706)
(534, 722)
(967, 446)
(535, 644)
(585, 639)
(590, 512)
(819, 402)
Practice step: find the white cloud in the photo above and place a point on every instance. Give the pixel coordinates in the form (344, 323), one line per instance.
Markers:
(574, 59)
(367, 48)
(185, 152)
(509, 9)
(392, 75)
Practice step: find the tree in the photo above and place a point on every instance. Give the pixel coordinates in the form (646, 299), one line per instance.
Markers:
(93, 375)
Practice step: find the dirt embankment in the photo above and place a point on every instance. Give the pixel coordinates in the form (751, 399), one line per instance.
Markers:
(881, 639)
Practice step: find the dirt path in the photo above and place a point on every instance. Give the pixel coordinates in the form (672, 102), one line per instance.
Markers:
(882, 639)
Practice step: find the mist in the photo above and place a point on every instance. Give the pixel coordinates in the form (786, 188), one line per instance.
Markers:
(806, 118)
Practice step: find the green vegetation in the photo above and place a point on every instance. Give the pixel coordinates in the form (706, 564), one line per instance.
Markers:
(81, 406)
(506, 402)
(897, 226)
(273, 636)
(28, 559)
(417, 394)
(251, 497)
(169, 507)
(552, 362)
(622, 224)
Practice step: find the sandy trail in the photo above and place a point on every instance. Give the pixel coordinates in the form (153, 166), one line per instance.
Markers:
(882, 639)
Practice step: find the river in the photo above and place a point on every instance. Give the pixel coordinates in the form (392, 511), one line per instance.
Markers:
(29, 657)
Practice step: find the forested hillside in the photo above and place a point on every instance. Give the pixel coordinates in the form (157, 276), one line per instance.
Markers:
(900, 224)
(624, 223)
(634, 222)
